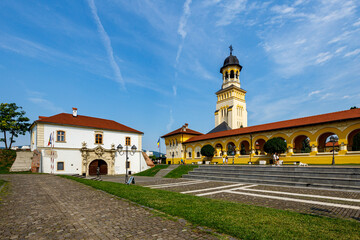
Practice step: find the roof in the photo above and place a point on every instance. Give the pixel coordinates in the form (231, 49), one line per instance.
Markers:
(181, 130)
(85, 121)
(330, 144)
(221, 127)
(298, 122)
(230, 61)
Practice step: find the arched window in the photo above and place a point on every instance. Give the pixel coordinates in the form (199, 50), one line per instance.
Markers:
(189, 154)
(176, 142)
(231, 149)
(198, 154)
(237, 75)
(226, 75)
(232, 74)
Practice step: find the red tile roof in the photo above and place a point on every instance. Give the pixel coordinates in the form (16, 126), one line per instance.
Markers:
(298, 122)
(85, 121)
(330, 144)
(180, 130)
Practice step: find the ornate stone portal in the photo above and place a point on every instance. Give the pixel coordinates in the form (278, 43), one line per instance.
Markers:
(89, 155)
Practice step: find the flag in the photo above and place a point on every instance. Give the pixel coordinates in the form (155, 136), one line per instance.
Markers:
(50, 139)
(158, 142)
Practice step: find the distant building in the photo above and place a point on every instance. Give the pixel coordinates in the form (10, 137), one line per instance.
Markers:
(76, 144)
(307, 138)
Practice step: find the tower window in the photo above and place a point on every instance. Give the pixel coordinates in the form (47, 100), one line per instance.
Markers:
(226, 75)
(232, 74)
(127, 141)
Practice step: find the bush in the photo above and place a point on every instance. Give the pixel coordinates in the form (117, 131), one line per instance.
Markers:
(208, 150)
(275, 145)
(7, 158)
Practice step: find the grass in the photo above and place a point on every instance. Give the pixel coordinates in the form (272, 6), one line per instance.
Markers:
(180, 170)
(151, 171)
(236, 219)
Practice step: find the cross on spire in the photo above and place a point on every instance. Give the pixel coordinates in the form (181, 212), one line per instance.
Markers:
(231, 49)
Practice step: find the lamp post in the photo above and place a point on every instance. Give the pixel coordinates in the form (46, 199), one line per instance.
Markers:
(126, 151)
(333, 139)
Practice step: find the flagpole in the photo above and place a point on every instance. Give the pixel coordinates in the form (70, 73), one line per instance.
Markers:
(160, 150)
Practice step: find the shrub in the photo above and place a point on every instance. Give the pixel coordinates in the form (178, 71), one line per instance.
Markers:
(275, 145)
(208, 150)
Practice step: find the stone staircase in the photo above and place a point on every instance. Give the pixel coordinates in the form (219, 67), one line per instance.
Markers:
(347, 178)
(22, 162)
(165, 171)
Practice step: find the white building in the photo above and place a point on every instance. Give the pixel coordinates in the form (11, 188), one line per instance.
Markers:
(81, 144)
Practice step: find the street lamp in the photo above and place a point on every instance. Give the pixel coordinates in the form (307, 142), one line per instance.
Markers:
(126, 151)
(333, 139)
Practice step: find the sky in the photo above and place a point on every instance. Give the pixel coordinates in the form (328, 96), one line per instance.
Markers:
(154, 65)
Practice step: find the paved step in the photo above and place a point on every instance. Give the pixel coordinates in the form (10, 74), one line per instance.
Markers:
(324, 177)
(351, 175)
(165, 171)
(22, 162)
(267, 182)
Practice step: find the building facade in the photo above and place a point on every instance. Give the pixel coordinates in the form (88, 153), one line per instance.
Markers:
(307, 138)
(76, 144)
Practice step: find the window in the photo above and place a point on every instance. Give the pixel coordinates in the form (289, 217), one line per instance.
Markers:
(98, 138)
(60, 166)
(189, 154)
(127, 141)
(198, 154)
(60, 136)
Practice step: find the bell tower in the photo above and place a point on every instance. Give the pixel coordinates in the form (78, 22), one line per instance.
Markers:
(231, 105)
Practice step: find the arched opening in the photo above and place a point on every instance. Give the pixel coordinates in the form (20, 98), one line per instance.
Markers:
(244, 148)
(232, 74)
(237, 74)
(324, 144)
(259, 147)
(98, 163)
(218, 148)
(226, 75)
(230, 149)
(354, 140)
(302, 144)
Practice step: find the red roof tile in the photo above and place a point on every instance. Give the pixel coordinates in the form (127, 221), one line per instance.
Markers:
(85, 121)
(180, 130)
(298, 122)
(330, 144)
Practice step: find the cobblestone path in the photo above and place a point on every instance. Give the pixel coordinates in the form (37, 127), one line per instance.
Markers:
(50, 207)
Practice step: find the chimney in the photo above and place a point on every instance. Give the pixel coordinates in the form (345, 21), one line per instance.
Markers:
(74, 112)
(186, 125)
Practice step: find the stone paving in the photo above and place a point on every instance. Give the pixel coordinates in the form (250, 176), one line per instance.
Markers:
(310, 208)
(50, 207)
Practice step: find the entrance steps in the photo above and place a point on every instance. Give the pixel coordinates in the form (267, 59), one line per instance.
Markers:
(22, 162)
(347, 178)
(165, 171)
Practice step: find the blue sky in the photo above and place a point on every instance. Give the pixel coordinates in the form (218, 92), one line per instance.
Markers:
(154, 65)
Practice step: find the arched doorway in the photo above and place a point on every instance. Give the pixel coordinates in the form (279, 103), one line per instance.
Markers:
(244, 148)
(324, 144)
(98, 163)
(302, 144)
(259, 147)
(230, 149)
(354, 140)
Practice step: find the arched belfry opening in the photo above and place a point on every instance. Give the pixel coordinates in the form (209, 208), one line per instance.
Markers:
(231, 96)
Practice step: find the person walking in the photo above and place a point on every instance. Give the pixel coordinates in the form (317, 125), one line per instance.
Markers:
(226, 160)
(223, 160)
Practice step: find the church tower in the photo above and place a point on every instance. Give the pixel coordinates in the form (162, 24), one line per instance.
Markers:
(231, 105)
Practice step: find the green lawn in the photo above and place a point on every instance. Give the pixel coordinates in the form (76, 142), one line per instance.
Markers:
(180, 170)
(236, 219)
(151, 171)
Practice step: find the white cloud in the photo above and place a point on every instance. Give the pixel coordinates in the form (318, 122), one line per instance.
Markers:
(171, 121)
(323, 57)
(107, 44)
(174, 90)
(314, 92)
(357, 23)
(230, 11)
(283, 9)
(39, 99)
(346, 96)
(339, 50)
(183, 19)
(327, 95)
(352, 53)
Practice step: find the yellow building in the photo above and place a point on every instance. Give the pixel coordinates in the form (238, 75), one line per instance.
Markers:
(307, 138)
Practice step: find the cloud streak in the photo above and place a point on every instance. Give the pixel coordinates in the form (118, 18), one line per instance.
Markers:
(181, 29)
(107, 44)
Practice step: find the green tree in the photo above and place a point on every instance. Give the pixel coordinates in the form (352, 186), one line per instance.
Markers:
(12, 123)
(356, 143)
(306, 146)
(275, 145)
(208, 150)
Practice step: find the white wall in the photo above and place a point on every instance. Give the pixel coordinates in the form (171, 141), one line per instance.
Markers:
(33, 141)
(71, 158)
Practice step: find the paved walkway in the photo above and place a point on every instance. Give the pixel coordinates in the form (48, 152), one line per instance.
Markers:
(50, 207)
(331, 203)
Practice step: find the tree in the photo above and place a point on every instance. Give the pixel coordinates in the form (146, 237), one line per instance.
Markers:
(356, 143)
(306, 146)
(275, 145)
(12, 123)
(208, 150)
